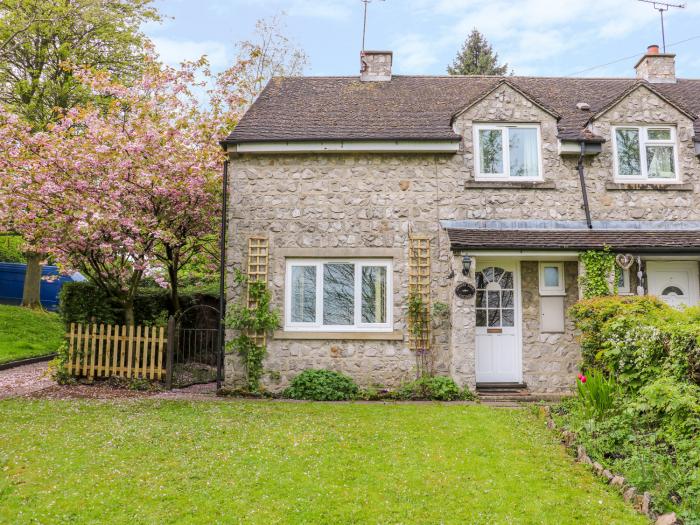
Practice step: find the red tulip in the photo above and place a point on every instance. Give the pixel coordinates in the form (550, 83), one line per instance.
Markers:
(583, 379)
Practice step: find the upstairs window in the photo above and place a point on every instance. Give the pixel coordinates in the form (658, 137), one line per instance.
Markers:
(338, 295)
(645, 153)
(507, 152)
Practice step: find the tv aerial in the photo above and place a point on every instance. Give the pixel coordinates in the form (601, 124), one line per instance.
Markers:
(662, 7)
(364, 25)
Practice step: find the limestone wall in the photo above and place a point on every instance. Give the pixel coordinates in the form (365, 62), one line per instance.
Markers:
(324, 202)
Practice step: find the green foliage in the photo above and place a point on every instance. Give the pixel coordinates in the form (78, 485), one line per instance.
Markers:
(261, 319)
(40, 41)
(597, 392)
(639, 411)
(417, 314)
(437, 388)
(83, 302)
(441, 311)
(599, 265)
(477, 58)
(11, 249)
(26, 333)
(322, 385)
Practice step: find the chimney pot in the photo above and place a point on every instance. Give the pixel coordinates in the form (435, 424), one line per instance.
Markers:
(655, 67)
(375, 66)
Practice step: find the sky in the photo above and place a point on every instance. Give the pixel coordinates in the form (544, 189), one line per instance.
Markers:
(535, 37)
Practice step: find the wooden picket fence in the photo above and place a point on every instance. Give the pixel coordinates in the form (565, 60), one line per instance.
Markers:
(112, 350)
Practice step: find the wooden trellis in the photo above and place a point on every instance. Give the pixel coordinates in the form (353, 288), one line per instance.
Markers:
(419, 284)
(257, 271)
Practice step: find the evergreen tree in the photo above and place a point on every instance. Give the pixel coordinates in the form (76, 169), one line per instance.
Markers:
(477, 58)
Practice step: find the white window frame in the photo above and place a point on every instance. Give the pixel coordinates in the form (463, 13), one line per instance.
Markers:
(643, 143)
(358, 326)
(505, 176)
(552, 290)
(625, 289)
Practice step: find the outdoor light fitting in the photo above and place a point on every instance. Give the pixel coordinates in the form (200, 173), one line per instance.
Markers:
(466, 265)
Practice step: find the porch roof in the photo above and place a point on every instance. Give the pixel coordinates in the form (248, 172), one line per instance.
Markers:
(552, 235)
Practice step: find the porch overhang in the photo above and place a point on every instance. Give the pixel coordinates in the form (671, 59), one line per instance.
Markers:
(663, 237)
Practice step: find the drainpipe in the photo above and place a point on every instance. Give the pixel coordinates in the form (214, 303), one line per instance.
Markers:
(582, 179)
(222, 278)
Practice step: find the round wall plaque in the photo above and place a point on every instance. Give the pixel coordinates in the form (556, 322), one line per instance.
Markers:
(465, 291)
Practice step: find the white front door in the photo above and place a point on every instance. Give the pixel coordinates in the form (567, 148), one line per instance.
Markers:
(498, 356)
(675, 282)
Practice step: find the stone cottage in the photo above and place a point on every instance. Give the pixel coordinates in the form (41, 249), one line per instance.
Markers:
(477, 193)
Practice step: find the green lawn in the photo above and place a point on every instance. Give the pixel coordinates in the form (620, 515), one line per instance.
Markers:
(28, 333)
(270, 462)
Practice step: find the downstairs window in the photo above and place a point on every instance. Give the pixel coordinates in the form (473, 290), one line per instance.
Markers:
(338, 295)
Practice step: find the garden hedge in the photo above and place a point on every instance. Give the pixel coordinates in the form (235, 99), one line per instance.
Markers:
(84, 302)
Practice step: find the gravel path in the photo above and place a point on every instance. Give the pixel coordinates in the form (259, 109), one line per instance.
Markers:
(24, 380)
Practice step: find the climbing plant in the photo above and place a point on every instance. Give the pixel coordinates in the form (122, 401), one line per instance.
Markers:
(600, 266)
(248, 321)
(418, 326)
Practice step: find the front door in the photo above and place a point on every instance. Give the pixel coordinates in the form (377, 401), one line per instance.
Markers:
(498, 323)
(675, 282)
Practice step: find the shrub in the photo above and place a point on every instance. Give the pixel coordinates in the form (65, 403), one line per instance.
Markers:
(83, 302)
(322, 385)
(437, 388)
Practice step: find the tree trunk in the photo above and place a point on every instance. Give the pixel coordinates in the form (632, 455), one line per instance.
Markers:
(129, 319)
(173, 256)
(31, 294)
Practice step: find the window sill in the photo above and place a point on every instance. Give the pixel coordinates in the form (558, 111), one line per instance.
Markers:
(509, 185)
(396, 335)
(652, 186)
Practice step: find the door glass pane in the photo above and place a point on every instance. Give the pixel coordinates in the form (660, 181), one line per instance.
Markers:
(507, 299)
(491, 151)
(480, 317)
(497, 274)
(659, 134)
(507, 281)
(494, 299)
(303, 294)
(494, 317)
(672, 290)
(524, 161)
(374, 294)
(551, 276)
(338, 294)
(628, 154)
(480, 295)
(660, 162)
(507, 316)
(480, 280)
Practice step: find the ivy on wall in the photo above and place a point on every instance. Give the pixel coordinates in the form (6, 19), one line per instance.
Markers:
(599, 268)
(248, 321)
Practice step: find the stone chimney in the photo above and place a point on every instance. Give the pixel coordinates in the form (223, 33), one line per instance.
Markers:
(656, 67)
(375, 66)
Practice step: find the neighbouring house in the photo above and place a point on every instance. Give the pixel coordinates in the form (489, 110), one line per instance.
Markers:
(476, 192)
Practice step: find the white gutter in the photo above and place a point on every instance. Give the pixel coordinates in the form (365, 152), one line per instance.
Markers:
(373, 146)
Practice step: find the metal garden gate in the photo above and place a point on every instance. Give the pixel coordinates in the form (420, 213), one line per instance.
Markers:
(194, 347)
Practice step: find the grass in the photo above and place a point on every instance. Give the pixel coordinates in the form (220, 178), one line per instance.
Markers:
(28, 333)
(155, 461)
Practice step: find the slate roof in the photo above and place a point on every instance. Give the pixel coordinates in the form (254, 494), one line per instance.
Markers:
(422, 107)
(548, 239)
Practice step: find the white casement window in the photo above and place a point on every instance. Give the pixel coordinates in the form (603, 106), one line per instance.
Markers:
(645, 153)
(623, 282)
(507, 152)
(552, 278)
(333, 295)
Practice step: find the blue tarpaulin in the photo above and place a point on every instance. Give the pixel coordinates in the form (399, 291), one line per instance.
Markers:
(12, 284)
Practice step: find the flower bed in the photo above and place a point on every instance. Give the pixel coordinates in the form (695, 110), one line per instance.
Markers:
(637, 411)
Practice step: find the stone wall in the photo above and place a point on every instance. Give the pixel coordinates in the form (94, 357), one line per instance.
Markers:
(549, 359)
(323, 202)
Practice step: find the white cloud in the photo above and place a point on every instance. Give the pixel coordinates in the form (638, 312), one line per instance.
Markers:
(173, 52)
(528, 33)
(328, 9)
(413, 54)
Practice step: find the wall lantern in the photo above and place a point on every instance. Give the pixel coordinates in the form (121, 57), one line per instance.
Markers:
(466, 265)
